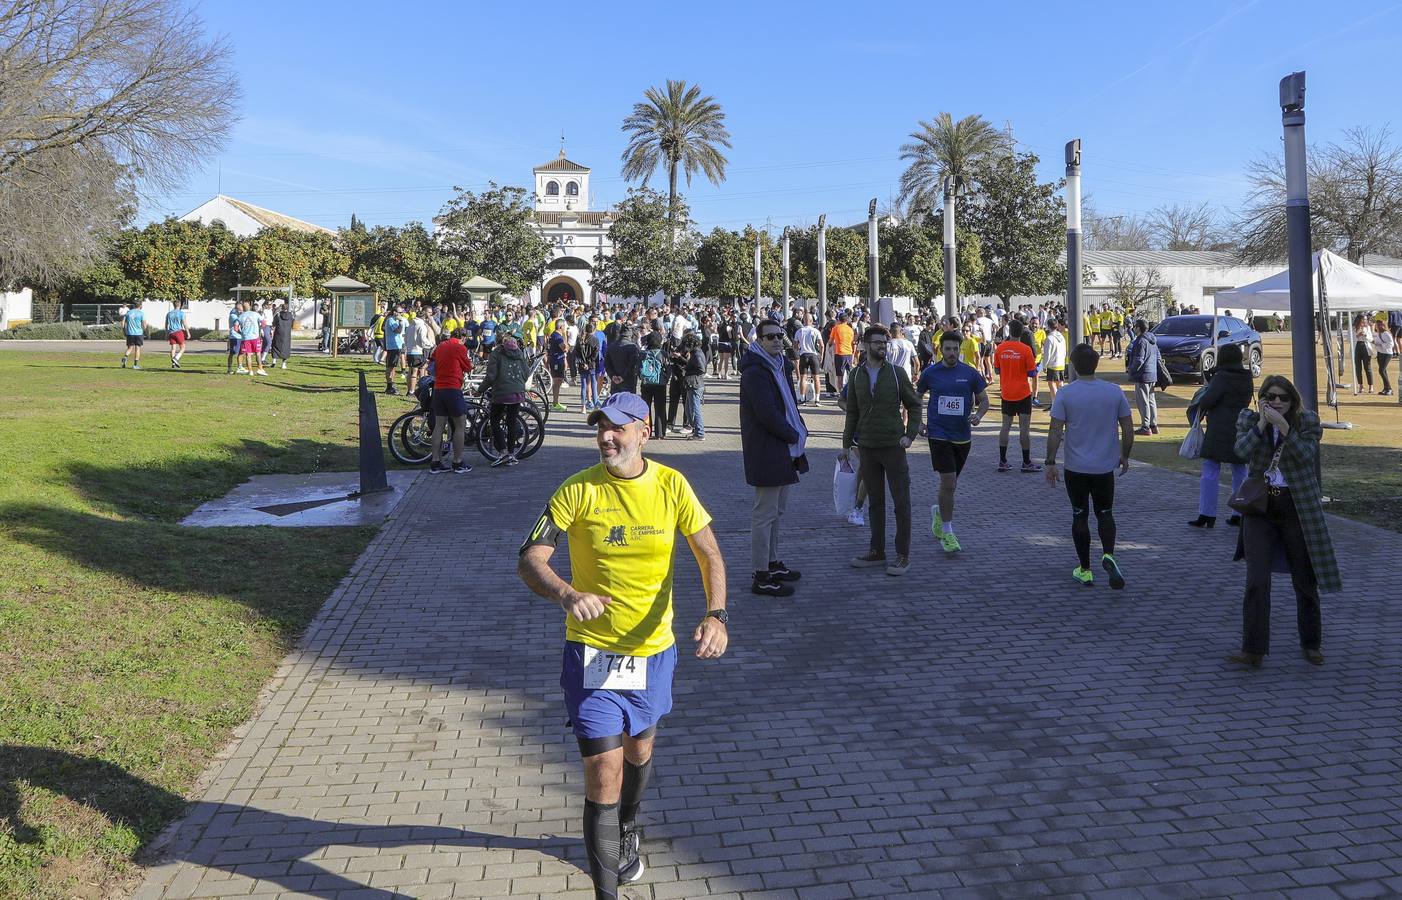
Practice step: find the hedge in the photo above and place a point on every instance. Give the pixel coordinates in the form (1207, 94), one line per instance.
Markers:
(77, 331)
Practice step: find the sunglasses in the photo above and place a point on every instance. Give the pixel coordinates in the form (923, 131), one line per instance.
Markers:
(1273, 395)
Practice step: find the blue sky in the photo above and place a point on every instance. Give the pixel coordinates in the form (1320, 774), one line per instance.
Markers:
(380, 109)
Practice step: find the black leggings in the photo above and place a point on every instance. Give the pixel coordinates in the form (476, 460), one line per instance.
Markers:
(506, 415)
(1087, 491)
(1384, 360)
(656, 397)
(1362, 365)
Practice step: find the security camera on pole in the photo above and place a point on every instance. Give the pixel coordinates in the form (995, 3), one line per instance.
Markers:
(822, 268)
(1297, 225)
(950, 295)
(1073, 247)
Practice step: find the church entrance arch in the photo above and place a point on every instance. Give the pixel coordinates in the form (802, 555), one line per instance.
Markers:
(562, 289)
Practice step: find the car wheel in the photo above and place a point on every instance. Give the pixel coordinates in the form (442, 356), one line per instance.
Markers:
(1209, 359)
(1256, 362)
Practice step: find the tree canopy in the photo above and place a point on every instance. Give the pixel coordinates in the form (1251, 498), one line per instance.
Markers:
(649, 255)
(1020, 224)
(492, 234)
(98, 100)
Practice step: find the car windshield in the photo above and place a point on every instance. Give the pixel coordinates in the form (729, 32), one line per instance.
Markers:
(1185, 326)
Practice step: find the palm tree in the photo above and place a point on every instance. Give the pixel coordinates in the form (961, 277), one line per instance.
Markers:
(678, 128)
(946, 147)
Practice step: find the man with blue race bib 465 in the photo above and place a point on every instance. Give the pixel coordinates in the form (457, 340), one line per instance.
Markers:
(621, 518)
(953, 387)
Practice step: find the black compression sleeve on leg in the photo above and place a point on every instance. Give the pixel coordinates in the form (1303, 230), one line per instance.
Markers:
(1105, 524)
(601, 840)
(635, 779)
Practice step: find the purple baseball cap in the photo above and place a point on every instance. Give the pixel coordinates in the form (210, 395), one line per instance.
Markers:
(621, 408)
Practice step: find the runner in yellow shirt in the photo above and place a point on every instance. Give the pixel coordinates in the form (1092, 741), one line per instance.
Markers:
(621, 518)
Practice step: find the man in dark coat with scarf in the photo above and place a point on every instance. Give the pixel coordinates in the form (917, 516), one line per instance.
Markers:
(773, 437)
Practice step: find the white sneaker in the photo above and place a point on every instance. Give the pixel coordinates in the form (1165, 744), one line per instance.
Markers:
(284, 364)
(855, 517)
(242, 370)
(261, 372)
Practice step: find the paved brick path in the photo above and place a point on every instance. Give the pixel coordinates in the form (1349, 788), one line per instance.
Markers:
(982, 727)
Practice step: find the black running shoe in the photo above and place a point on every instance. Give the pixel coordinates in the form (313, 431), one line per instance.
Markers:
(782, 572)
(436, 468)
(770, 587)
(630, 859)
(461, 468)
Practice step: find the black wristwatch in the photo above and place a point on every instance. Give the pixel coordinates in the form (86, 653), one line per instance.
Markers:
(720, 615)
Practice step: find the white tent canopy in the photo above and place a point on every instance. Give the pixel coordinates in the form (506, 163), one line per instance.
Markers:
(1349, 288)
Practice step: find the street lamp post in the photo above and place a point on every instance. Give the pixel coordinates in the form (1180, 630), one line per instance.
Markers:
(1297, 224)
(950, 294)
(822, 269)
(784, 261)
(757, 265)
(1073, 245)
(873, 265)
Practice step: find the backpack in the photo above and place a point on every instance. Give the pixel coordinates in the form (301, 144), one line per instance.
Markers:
(652, 367)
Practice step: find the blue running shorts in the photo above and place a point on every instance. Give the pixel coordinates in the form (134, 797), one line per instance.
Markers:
(604, 713)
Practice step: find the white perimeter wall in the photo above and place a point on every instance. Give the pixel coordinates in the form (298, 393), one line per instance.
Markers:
(16, 306)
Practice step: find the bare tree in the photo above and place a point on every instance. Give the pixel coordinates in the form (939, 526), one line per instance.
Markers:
(1124, 232)
(99, 100)
(1184, 227)
(1355, 192)
(1142, 289)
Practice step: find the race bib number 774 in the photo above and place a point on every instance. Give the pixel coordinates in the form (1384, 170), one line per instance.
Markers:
(614, 671)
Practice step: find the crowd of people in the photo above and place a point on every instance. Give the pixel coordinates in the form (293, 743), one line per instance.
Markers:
(895, 382)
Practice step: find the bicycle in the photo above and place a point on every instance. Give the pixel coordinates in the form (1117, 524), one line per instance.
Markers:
(527, 441)
(411, 435)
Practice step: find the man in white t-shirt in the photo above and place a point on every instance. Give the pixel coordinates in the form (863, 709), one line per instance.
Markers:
(1089, 411)
(809, 342)
(911, 329)
(572, 338)
(901, 352)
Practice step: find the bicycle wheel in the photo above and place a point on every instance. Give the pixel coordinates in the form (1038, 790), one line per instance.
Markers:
(536, 401)
(414, 446)
(535, 433)
(526, 440)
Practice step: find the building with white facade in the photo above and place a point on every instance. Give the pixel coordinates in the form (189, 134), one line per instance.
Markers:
(578, 235)
(245, 219)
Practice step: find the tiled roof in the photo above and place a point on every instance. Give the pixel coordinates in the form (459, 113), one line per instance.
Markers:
(560, 165)
(585, 218)
(1215, 258)
(270, 219)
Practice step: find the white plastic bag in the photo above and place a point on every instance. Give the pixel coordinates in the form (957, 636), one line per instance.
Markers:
(1191, 448)
(844, 488)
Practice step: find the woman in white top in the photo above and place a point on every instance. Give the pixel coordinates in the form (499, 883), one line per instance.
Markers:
(1363, 351)
(1386, 346)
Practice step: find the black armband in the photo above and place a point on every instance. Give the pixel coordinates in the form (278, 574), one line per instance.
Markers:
(545, 533)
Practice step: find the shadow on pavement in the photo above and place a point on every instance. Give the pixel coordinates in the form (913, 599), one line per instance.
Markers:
(124, 799)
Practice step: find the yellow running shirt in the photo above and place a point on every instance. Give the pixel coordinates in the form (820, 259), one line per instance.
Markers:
(621, 534)
(968, 351)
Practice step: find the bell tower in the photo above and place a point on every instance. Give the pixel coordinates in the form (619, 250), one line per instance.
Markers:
(561, 185)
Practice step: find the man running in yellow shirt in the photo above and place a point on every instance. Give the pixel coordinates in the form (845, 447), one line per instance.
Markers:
(621, 518)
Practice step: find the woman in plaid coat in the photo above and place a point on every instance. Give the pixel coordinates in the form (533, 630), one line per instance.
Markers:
(1284, 432)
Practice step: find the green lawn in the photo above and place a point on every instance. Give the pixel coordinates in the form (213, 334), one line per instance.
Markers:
(1362, 467)
(131, 647)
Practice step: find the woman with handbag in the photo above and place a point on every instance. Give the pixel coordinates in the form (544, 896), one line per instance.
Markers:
(1228, 392)
(1282, 512)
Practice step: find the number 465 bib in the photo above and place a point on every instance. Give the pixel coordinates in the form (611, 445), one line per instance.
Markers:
(614, 671)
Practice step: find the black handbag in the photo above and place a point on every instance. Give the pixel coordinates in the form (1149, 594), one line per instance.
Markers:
(1253, 497)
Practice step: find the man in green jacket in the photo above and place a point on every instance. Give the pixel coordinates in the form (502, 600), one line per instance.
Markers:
(876, 391)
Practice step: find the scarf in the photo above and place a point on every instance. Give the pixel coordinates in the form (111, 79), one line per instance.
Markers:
(775, 365)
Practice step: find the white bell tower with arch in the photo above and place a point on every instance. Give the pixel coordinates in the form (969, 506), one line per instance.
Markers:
(561, 185)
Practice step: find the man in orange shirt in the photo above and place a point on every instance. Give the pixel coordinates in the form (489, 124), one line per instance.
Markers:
(1014, 360)
(842, 340)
